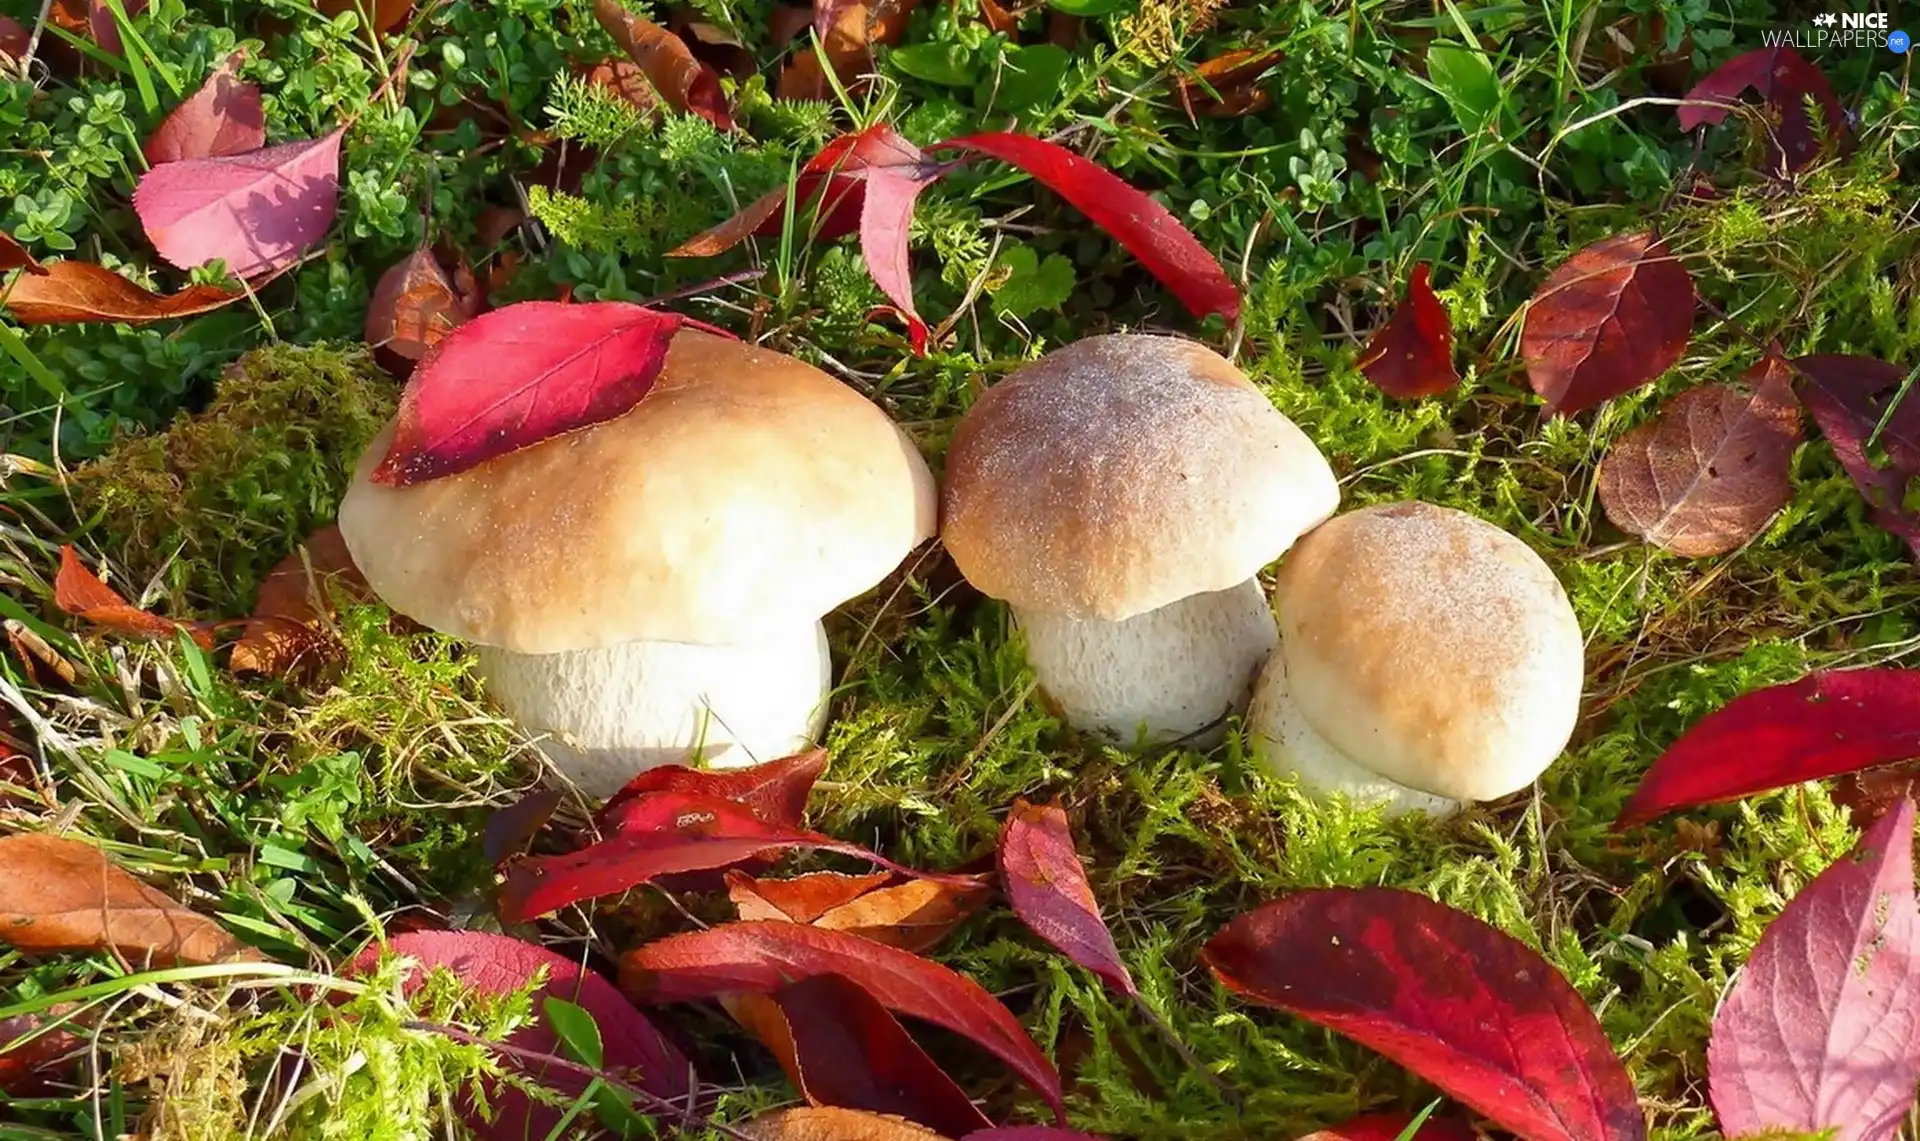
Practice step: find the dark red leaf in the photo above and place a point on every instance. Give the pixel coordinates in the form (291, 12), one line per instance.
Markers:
(79, 592)
(1147, 229)
(760, 958)
(13, 255)
(802, 899)
(1786, 81)
(224, 117)
(14, 39)
(69, 291)
(1049, 891)
(514, 377)
(258, 211)
(1827, 723)
(497, 964)
(509, 829)
(387, 14)
(415, 306)
(1412, 354)
(29, 1065)
(1389, 1127)
(1463, 1005)
(1611, 318)
(776, 791)
(1821, 1030)
(1848, 397)
(684, 83)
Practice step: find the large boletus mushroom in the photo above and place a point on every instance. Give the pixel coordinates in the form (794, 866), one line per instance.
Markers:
(1121, 494)
(1426, 658)
(649, 590)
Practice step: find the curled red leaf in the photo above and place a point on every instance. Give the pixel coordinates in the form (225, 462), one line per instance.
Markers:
(79, 592)
(1049, 891)
(258, 211)
(1787, 82)
(224, 117)
(1849, 397)
(1614, 316)
(775, 791)
(1411, 356)
(67, 292)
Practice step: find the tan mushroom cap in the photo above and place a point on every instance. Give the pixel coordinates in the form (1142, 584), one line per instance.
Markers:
(828, 1124)
(748, 492)
(1125, 472)
(1431, 647)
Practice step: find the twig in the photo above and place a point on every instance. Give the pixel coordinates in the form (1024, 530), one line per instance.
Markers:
(734, 278)
(1186, 1055)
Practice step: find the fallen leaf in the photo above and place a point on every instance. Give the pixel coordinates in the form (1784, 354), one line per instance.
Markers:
(70, 291)
(761, 958)
(13, 255)
(509, 829)
(224, 117)
(848, 31)
(258, 212)
(1827, 723)
(288, 628)
(1449, 997)
(415, 306)
(520, 375)
(632, 1048)
(848, 1052)
(1712, 468)
(1029, 1133)
(802, 899)
(833, 1125)
(79, 592)
(387, 14)
(914, 916)
(1226, 84)
(684, 83)
(62, 895)
(1848, 398)
(31, 1046)
(1787, 82)
(1049, 891)
(104, 28)
(1871, 794)
(1821, 1029)
(1411, 356)
(893, 186)
(625, 79)
(1389, 1127)
(14, 39)
(1613, 317)
(998, 19)
(775, 791)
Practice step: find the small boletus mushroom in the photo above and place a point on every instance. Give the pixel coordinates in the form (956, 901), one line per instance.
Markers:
(1427, 658)
(1121, 494)
(649, 590)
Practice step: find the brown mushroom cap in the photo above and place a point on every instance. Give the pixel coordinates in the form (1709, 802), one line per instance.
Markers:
(1431, 647)
(1125, 472)
(748, 491)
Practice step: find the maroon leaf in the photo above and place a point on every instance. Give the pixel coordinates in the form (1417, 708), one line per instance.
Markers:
(1827, 723)
(1611, 318)
(1787, 82)
(849, 1052)
(415, 305)
(67, 292)
(224, 117)
(1049, 891)
(1821, 1030)
(497, 964)
(509, 829)
(1412, 354)
(257, 211)
(31, 1049)
(1389, 1127)
(760, 958)
(14, 39)
(1463, 1005)
(105, 29)
(1848, 398)
(1147, 229)
(776, 791)
(514, 377)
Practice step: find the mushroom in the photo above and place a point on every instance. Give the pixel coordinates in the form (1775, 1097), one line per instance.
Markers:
(1121, 494)
(649, 590)
(1427, 658)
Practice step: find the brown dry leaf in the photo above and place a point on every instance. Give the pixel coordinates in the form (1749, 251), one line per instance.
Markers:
(387, 14)
(70, 291)
(13, 255)
(1711, 470)
(624, 78)
(785, 22)
(822, 1124)
(415, 306)
(1226, 85)
(913, 916)
(851, 29)
(683, 82)
(36, 655)
(288, 628)
(998, 18)
(79, 592)
(63, 895)
(801, 899)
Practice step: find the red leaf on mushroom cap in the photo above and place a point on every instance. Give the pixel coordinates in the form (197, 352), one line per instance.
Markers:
(1848, 397)
(1049, 891)
(1821, 1030)
(1411, 356)
(1614, 316)
(224, 117)
(1464, 1005)
(775, 791)
(1783, 78)
(257, 211)
(1827, 723)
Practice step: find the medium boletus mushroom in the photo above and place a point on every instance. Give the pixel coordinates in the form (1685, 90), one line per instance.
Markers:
(1121, 494)
(649, 590)
(1427, 658)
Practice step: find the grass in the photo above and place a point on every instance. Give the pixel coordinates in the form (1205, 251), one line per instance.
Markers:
(309, 816)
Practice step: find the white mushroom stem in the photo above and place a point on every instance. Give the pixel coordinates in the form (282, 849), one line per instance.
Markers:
(1169, 672)
(1288, 745)
(608, 714)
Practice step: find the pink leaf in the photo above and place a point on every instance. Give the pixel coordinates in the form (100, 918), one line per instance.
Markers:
(224, 117)
(257, 211)
(1827, 723)
(775, 791)
(1786, 81)
(884, 220)
(1821, 1030)
(520, 375)
(1049, 891)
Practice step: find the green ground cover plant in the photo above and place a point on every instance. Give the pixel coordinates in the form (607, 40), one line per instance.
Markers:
(185, 437)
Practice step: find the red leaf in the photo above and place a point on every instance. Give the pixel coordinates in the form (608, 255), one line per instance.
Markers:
(1611, 318)
(1389, 1127)
(1821, 1030)
(1848, 396)
(1147, 229)
(1786, 81)
(802, 899)
(683, 82)
(849, 1052)
(224, 117)
(1827, 723)
(79, 592)
(258, 211)
(13, 255)
(415, 306)
(775, 791)
(1412, 354)
(28, 1064)
(1463, 1005)
(105, 29)
(496, 964)
(523, 374)
(885, 218)
(71, 291)
(1049, 891)
(760, 958)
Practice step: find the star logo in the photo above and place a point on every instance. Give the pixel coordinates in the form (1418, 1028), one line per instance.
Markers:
(1826, 19)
